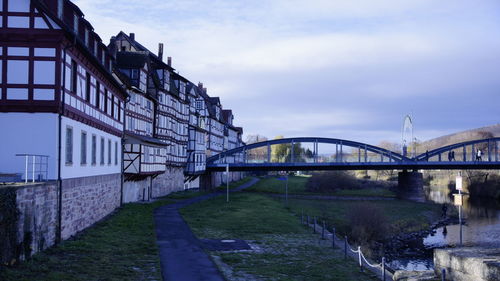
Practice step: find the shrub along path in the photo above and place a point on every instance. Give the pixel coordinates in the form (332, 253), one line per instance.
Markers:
(181, 254)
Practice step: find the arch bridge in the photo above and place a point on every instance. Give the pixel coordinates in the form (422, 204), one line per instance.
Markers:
(309, 153)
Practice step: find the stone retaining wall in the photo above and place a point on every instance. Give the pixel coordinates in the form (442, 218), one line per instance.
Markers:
(37, 222)
(464, 264)
(87, 200)
(170, 181)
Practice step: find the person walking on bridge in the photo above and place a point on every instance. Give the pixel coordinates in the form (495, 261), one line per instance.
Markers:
(479, 155)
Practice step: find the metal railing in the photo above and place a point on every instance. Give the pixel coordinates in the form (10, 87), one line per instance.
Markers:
(35, 165)
(380, 269)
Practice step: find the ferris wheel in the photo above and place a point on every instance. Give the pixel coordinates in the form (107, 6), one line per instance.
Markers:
(407, 139)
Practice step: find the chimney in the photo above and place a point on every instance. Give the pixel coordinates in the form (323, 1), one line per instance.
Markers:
(205, 90)
(132, 36)
(169, 61)
(160, 51)
(200, 85)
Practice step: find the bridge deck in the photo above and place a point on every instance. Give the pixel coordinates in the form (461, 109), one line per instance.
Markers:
(404, 165)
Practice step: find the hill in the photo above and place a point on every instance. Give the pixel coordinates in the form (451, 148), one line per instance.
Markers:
(473, 134)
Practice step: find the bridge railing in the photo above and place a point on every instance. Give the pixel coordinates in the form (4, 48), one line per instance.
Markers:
(464, 152)
(290, 151)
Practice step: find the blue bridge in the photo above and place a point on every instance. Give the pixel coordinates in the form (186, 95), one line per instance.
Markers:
(306, 153)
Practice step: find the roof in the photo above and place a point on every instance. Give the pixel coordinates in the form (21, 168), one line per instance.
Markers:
(156, 61)
(131, 59)
(135, 138)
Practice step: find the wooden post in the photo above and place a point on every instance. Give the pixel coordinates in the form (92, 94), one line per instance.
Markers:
(345, 247)
(333, 237)
(323, 231)
(383, 268)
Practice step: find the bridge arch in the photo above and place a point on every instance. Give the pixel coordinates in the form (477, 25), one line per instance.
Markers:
(467, 151)
(240, 152)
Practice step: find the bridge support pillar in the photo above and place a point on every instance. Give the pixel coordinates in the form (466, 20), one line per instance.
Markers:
(411, 186)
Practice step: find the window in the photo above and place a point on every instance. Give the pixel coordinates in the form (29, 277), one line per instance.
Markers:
(83, 149)
(102, 151)
(74, 76)
(75, 23)
(17, 71)
(116, 153)
(106, 100)
(94, 149)
(87, 87)
(112, 106)
(119, 106)
(97, 94)
(109, 152)
(69, 145)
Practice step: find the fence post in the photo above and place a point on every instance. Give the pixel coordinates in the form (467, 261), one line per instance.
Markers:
(345, 247)
(359, 258)
(307, 217)
(323, 231)
(383, 268)
(314, 224)
(333, 237)
(443, 274)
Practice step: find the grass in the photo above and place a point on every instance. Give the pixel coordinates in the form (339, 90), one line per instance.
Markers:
(297, 185)
(288, 250)
(234, 184)
(404, 216)
(121, 247)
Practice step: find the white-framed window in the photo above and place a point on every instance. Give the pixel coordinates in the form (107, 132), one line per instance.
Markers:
(69, 146)
(94, 150)
(83, 148)
(102, 151)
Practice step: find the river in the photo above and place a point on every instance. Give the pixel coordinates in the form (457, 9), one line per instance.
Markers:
(482, 227)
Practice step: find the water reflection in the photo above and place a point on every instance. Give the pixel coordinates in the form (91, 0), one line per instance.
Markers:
(482, 217)
(481, 228)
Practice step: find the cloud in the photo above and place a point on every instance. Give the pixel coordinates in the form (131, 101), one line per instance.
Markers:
(349, 68)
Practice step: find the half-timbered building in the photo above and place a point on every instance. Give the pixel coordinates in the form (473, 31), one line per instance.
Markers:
(144, 156)
(60, 100)
(171, 110)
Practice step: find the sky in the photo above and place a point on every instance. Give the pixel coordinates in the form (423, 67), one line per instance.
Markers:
(350, 69)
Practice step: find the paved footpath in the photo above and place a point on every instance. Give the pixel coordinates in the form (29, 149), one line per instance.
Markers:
(182, 257)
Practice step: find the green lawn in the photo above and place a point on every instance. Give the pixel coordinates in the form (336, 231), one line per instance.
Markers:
(288, 250)
(297, 185)
(234, 184)
(122, 247)
(403, 216)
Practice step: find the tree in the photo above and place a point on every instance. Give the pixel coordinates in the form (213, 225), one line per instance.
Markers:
(282, 152)
(256, 154)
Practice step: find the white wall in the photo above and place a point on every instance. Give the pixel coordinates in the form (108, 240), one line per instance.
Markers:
(77, 169)
(31, 133)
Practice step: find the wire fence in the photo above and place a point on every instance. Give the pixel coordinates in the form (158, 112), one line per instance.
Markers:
(380, 269)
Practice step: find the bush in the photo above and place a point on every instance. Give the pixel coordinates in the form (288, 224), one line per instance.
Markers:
(487, 186)
(368, 223)
(332, 180)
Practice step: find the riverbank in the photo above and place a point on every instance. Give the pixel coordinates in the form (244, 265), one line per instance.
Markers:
(400, 225)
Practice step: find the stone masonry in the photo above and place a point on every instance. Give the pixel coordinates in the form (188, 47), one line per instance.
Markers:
(37, 223)
(464, 264)
(170, 181)
(87, 200)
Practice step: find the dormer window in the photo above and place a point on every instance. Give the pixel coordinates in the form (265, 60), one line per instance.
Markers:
(75, 23)
(86, 37)
(60, 5)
